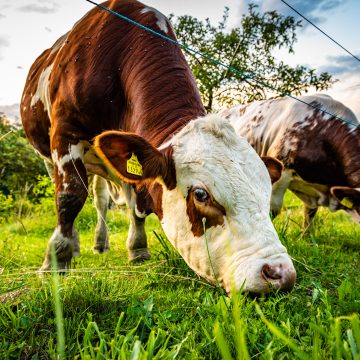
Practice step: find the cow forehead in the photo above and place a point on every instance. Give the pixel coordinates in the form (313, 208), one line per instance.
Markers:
(208, 152)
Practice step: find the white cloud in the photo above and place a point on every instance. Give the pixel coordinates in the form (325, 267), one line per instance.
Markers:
(313, 10)
(42, 7)
(3, 43)
(342, 65)
(347, 90)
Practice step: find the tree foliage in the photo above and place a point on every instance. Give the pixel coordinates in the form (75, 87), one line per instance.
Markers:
(251, 49)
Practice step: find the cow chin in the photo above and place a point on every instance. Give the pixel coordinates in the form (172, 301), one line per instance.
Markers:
(248, 265)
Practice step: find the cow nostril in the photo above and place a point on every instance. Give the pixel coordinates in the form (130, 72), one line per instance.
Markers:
(279, 276)
(270, 273)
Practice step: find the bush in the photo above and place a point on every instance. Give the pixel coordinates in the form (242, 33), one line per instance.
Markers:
(7, 205)
(20, 166)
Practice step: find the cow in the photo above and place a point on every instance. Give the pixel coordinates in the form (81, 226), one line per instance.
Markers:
(320, 152)
(111, 99)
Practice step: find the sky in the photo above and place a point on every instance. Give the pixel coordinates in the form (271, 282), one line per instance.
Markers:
(28, 27)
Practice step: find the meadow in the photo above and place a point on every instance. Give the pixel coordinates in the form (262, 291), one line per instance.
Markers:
(107, 308)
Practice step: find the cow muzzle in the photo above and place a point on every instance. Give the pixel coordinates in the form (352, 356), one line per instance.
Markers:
(279, 276)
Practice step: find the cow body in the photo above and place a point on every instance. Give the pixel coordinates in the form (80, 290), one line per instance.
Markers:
(113, 100)
(320, 153)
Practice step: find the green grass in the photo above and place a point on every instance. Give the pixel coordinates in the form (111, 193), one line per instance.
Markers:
(161, 310)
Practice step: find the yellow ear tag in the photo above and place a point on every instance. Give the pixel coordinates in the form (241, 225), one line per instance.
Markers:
(347, 202)
(133, 166)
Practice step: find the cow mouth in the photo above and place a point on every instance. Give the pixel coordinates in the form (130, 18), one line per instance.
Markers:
(268, 277)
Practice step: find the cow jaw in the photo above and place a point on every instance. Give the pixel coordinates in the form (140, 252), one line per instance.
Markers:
(237, 239)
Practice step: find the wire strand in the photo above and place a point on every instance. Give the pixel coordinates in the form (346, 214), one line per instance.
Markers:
(323, 32)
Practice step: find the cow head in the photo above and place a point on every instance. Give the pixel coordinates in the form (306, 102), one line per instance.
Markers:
(349, 199)
(215, 201)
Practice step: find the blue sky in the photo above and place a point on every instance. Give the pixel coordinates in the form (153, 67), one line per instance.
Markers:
(27, 27)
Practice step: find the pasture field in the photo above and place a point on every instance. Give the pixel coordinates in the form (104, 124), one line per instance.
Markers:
(160, 309)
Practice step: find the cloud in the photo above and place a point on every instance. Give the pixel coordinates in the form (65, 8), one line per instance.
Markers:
(341, 65)
(312, 10)
(2, 16)
(41, 6)
(347, 90)
(3, 43)
(5, 4)
(355, 87)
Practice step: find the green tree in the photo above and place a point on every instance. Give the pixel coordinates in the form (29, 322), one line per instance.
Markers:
(249, 48)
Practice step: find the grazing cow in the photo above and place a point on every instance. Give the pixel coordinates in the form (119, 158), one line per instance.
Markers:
(113, 100)
(320, 153)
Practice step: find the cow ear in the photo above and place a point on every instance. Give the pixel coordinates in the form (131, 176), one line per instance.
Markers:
(132, 159)
(347, 196)
(274, 166)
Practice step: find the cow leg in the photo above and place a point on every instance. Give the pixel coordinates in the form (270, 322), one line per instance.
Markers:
(309, 213)
(70, 193)
(136, 241)
(278, 193)
(101, 200)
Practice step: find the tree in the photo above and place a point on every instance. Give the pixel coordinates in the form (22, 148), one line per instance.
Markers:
(250, 49)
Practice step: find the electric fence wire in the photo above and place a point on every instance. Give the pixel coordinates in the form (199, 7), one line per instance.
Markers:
(323, 32)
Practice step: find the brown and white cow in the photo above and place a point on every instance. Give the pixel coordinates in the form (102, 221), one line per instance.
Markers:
(133, 93)
(320, 153)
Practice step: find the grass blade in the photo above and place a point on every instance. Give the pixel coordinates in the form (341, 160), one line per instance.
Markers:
(221, 342)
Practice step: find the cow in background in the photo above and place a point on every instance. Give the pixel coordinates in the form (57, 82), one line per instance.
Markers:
(320, 153)
(134, 93)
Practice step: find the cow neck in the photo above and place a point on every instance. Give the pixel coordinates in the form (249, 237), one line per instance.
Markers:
(342, 144)
(160, 90)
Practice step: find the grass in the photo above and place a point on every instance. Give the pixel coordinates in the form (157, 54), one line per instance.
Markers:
(161, 310)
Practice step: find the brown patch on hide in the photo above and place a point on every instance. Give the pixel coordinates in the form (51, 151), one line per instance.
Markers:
(243, 110)
(110, 77)
(196, 211)
(327, 151)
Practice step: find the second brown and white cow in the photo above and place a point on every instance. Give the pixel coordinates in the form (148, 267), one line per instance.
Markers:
(320, 153)
(111, 99)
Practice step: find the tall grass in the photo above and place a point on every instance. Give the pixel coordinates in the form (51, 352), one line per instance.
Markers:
(60, 334)
(108, 308)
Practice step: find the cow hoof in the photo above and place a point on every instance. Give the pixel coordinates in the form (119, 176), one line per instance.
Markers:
(76, 253)
(45, 268)
(139, 255)
(62, 267)
(99, 249)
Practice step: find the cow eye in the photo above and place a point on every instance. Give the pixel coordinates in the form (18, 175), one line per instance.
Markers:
(201, 195)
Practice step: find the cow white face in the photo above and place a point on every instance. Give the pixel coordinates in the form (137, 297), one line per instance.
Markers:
(215, 202)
